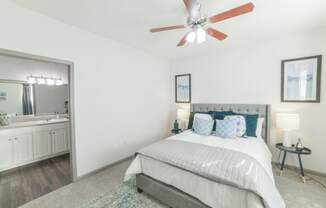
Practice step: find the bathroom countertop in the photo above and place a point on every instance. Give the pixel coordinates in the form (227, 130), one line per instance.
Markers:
(34, 123)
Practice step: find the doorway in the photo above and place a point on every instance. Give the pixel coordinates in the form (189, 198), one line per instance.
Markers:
(37, 132)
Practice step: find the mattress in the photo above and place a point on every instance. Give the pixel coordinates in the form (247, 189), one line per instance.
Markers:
(213, 194)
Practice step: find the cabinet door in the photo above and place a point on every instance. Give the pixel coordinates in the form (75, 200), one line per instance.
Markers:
(23, 148)
(42, 141)
(6, 152)
(60, 141)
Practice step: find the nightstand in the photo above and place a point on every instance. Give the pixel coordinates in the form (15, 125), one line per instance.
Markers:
(176, 131)
(293, 150)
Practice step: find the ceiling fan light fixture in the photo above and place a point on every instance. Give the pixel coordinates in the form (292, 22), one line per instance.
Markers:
(201, 35)
(196, 22)
(191, 37)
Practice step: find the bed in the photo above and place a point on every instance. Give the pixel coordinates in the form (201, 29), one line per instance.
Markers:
(179, 187)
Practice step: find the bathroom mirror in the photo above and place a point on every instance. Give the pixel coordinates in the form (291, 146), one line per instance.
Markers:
(20, 98)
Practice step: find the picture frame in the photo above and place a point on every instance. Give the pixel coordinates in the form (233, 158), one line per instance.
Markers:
(301, 80)
(183, 88)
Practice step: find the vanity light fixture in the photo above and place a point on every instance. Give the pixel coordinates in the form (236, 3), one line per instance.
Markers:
(50, 81)
(31, 80)
(44, 80)
(40, 80)
(58, 82)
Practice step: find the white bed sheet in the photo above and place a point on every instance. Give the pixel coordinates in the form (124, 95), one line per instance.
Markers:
(211, 193)
(252, 146)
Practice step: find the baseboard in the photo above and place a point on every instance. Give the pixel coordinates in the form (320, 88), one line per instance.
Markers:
(295, 168)
(29, 164)
(103, 168)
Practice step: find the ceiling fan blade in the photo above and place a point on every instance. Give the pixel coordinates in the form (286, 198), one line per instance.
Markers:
(232, 13)
(183, 41)
(193, 8)
(216, 34)
(161, 29)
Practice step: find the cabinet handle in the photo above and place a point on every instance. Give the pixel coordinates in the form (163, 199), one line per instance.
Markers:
(16, 138)
(9, 139)
(53, 133)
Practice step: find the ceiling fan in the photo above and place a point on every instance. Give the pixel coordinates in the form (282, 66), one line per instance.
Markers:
(197, 22)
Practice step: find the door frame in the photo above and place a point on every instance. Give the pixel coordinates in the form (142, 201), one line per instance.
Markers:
(70, 66)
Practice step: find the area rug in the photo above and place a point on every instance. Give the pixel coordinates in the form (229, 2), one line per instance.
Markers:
(295, 193)
(124, 196)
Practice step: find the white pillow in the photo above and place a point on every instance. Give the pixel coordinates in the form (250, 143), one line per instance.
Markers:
(203, 126)
(241, 124)
(259, 129)
(203, 116)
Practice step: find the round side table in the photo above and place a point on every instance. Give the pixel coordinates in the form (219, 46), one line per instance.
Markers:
(293, 150)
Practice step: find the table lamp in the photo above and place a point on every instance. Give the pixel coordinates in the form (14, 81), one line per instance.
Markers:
(182, 116)
(287, 122)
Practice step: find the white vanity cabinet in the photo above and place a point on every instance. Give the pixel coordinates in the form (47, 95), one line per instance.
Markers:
(23, 148)
(6, 152)
(20, 146)
(16, 147)
(60, 141)
(42, 140)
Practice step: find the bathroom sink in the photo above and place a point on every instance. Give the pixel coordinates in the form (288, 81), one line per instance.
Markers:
(54, 120)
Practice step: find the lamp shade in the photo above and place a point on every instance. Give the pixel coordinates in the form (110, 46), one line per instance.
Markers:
(288, 121)
(182, 114)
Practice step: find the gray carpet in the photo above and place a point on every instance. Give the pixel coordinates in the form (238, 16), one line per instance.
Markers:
(296, 194)
(106, 190)
(125, 196)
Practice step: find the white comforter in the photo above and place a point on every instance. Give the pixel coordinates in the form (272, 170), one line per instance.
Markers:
(205, 191)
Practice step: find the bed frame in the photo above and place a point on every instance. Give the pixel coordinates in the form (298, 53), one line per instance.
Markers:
(176, 198)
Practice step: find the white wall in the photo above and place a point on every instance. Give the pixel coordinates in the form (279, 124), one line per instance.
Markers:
(121, 94)
(13, 68)
(251, 74)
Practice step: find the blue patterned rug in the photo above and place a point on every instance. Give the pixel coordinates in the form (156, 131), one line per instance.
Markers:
(124, 196)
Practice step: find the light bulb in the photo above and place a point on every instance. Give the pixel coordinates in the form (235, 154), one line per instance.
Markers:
(58, 82)
(191, 37)
(40, 80)
(201, 35)
(50, 81)
(31, 80)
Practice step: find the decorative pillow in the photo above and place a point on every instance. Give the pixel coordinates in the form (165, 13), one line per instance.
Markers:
(241, 125)
(191, 118)
(259, 129)
(203, 126)
(251, 123)
(226, 128)
(220, 115)
(205, 116)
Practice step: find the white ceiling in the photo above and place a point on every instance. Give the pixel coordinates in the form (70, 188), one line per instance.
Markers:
(129, 21)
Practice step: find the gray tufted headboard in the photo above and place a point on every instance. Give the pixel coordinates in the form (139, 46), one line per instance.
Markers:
(264, 111)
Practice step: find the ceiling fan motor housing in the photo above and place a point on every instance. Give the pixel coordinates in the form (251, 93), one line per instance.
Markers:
(193, 23)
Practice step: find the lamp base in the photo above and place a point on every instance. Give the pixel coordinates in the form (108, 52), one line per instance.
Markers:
(287, 142)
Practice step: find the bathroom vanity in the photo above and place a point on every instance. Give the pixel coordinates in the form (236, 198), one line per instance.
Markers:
(26, 142)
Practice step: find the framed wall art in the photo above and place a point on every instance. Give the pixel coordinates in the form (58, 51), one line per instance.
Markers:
(301, 79)
(183, 88)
